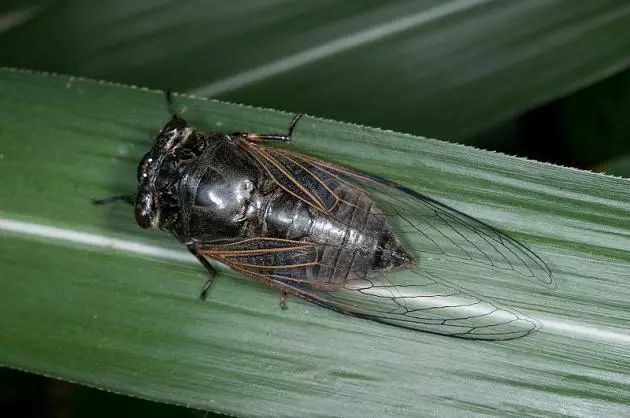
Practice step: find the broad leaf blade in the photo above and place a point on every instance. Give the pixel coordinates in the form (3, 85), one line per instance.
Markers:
(82, 302)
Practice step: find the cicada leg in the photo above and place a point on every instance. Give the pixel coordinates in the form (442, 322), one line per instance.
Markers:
(256, 137)
(283, 299)
(211, 270)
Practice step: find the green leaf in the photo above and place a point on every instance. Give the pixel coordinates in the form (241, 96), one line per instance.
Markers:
(442, 68)
(87, 296)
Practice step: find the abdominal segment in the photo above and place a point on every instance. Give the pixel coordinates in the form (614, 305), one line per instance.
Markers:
(352, 241)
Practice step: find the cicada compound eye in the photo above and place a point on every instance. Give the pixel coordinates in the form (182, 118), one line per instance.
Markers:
(144, 210)
(143, 167)
(174, 125)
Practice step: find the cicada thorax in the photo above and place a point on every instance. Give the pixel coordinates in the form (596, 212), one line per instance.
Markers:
(217, 192)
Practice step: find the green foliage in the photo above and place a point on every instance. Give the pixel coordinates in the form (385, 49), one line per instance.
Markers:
(443, 69)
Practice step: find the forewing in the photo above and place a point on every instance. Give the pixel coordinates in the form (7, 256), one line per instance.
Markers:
(412, 299)
(428, 226)
(419, 300)
(423, 296)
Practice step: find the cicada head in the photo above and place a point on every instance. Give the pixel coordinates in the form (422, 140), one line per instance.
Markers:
(156, 202)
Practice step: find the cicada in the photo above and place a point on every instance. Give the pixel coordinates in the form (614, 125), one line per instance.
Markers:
(337, 237)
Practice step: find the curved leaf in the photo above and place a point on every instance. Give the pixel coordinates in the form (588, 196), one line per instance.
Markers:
(88, 297)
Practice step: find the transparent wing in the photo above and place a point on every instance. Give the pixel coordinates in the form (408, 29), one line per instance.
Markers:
(421, 297)
(413, 298)
(419, 300)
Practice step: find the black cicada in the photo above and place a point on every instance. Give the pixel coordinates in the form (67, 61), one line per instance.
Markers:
(354, 243)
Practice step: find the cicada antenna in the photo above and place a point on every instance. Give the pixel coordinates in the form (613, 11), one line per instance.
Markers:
(170, 104)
